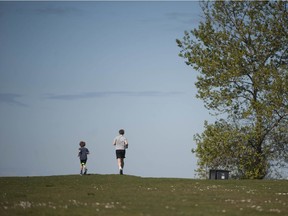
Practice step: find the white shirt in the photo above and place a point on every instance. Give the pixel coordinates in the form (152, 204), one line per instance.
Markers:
(120, 142)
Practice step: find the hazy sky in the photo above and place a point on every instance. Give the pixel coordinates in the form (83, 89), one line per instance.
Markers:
(72, 71)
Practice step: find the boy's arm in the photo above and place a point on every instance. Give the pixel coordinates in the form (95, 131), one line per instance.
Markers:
(79, 151)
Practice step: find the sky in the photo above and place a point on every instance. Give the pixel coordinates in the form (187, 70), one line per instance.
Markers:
(72, 71)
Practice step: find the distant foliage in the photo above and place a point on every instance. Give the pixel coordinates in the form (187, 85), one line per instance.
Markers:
(241, 53)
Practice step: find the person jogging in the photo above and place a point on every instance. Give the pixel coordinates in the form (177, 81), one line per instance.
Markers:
(82, 154)
(121, 144)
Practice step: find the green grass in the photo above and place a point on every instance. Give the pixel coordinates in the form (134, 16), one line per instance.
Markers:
(130, 195)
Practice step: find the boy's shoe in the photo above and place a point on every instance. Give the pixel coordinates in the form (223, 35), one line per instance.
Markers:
(85, 171)
(121, 172)
(81, 172)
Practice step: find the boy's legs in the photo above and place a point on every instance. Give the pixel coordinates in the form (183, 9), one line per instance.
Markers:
(83, 167)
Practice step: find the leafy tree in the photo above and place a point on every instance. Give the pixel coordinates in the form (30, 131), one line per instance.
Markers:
(241, 53)
(226, 146)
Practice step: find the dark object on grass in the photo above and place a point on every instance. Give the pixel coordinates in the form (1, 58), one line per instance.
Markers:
(219, 174)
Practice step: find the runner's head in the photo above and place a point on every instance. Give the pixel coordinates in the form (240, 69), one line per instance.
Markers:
(121, 131)
(82, 143)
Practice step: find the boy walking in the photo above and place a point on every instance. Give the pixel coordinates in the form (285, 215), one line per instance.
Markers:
(83, 152)
(120, 143)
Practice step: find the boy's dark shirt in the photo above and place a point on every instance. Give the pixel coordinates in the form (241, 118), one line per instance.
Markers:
(83, 152)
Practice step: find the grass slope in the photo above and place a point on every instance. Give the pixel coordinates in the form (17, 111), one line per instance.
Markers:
(130, 195)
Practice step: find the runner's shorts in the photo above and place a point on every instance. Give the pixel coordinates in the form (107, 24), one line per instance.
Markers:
(83, 162)
(120, 153)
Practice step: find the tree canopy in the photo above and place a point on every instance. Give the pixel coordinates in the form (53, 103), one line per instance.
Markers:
(240, 51)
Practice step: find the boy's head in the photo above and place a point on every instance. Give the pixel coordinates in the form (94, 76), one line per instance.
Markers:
(82, 143)
(121, 131)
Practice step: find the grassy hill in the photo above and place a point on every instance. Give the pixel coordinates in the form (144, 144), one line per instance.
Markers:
(130, 195)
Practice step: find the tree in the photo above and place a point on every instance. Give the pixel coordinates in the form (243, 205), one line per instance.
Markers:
(226, 146)
(241, 53)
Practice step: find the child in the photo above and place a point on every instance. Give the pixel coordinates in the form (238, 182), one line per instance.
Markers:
(83, 152)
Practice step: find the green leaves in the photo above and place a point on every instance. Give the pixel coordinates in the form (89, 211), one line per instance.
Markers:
(241, 53)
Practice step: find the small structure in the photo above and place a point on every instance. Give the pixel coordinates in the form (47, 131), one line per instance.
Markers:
(218, 174)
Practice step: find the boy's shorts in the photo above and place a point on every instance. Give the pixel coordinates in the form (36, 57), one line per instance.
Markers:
(120, 153)
(83, 162)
